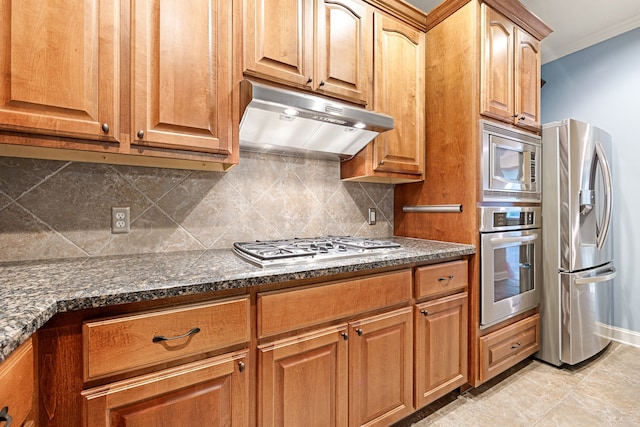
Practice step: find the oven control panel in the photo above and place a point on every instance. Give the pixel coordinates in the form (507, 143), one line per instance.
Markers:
(503, 218)
(509, 219)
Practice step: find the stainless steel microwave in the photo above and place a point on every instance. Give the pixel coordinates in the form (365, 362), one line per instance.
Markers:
(510, 164)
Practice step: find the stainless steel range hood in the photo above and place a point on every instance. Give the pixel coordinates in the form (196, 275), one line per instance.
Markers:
(282, 121)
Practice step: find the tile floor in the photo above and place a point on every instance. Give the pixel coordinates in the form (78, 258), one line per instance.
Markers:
(602, 391)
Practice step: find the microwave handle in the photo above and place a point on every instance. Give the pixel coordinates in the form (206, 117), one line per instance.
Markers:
(504, 240)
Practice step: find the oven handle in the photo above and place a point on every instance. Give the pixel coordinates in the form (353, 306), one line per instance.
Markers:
(520, 239)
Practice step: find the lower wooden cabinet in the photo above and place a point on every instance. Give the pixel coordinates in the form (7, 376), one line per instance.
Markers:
(440, 347)
(381, 369)
(505, 347)
(303, 380)
(355, 374)
(17, 386)
(210, 392)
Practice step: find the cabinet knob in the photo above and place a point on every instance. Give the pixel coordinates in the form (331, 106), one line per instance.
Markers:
(140, 134)
(359, 332)
(382, 162)
(521, 117)
(345, 336)
(309, 80)
(425, 313)
(515, 115)
(241, 366)
(105, 127)
(322, 83)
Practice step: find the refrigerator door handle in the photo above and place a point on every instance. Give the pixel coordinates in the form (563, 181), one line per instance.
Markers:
(603, 231)
(597, 279)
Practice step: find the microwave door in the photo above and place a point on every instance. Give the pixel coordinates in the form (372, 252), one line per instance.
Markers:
(507, 160)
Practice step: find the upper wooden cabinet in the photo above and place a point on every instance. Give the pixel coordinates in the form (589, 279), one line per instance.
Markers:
(510, 71)
(59, 68)
(147, 83)
(324, 46)
(182, 75)
(395, 156)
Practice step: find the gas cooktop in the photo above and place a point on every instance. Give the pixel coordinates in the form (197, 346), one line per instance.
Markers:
(305, 250)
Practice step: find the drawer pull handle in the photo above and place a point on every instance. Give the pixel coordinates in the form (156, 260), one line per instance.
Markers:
(516, 345)
(160, 338)
(4, 416)
(448, 279)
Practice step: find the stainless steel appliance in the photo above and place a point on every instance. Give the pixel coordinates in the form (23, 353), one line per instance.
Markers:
(510, 257)
(510, 168)
(577, 203)
(306, 250)
(283, 121)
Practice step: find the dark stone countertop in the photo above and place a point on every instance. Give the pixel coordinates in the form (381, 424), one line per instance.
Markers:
(33, 292)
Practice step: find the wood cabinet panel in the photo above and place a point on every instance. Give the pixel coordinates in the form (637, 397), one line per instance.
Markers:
(527, 80)
(182, 75)
(211, 392)
(344, 40)
(497, 66)
(17, 383)
(399, 91)
(304, 380)
(508, 346)
(123, 343)
(510, 70)
(278, 40)
(441, 347)
(59, 65)
(440, 279)
(381, 368)
(283, 311)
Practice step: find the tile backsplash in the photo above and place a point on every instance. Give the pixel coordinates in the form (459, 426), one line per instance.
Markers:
(55, 209)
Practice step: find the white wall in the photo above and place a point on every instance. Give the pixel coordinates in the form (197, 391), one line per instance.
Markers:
(601, 85)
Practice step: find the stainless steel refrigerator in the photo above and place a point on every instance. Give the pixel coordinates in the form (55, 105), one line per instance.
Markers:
(577, 243)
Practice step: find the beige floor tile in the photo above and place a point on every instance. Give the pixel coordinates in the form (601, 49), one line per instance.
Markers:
(603, 391)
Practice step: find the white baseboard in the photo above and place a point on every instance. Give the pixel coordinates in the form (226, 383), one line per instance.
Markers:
(623, 336)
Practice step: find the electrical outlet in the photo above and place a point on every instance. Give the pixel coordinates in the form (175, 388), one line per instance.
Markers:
(120, 220)
(372, 216)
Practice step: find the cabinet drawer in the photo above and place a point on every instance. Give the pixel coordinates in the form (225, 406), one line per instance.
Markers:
(283, 311)
(440, 279)
(16, 383)
(123, 343)
(504, 348)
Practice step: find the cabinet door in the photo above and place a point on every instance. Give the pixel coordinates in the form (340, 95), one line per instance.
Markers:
(344, 44)
(441, 347)
(59, 67)
(17, 383)
(399, 91)
(212, 392)
(278, 38)
(303, 380)
(527, 80)
(182, 75)
(381, 369)
(497, 65)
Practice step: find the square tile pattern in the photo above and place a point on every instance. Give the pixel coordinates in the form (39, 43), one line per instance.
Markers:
(602, 391)
(54, 209)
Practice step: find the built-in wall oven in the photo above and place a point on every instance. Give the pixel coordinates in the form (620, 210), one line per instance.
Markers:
(510, 164)
(510, 257)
